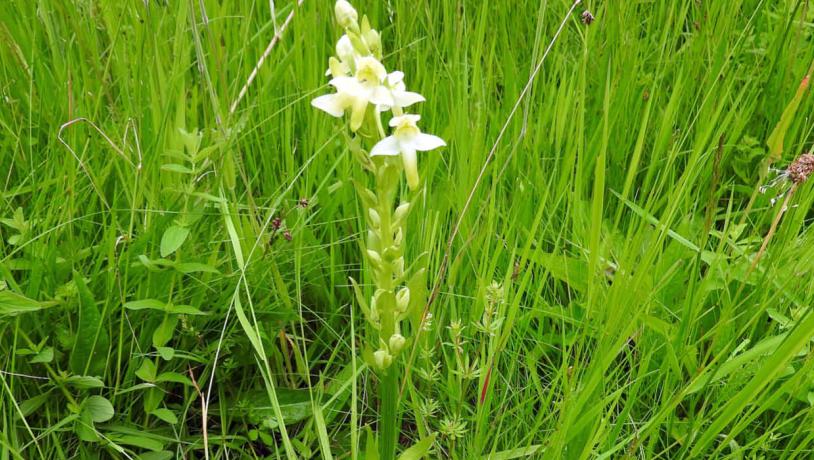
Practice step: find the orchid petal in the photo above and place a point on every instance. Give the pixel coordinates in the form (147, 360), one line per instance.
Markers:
(407, 98)
(357, 115)
(330, 103)
(388, 146)
(423, 142)
(410, 161)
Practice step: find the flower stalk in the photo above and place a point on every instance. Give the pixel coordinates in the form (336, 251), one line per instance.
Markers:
(365, 93)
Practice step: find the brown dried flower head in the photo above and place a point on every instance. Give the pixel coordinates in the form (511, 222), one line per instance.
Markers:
(587, 17)
(801, 168)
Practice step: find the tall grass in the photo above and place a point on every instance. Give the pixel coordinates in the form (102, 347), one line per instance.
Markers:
(167, 294)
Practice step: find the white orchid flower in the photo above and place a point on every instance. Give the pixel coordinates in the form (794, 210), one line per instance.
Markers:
(356, 92)
(406, 140)
(401, 97)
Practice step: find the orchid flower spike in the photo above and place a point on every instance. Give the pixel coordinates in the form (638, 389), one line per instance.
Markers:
(406, 140)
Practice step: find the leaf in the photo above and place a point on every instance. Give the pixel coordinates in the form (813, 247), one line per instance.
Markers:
(163, 333)
(569, 270)
(419, 449)
(174, 377)
(371, 446)
(12, 304)
(775, 141)
(83, 427)
(145, 304)
(295, 406)
(172, 239)
(165, 415)
(196, 267)
(138, 441)
(184, 310)
(99, 408)
(161, 455)
(44, 356)
(147, 371)
(166, 353)
(89, 353)
(175, 167)
(29, 406)
(84, 382)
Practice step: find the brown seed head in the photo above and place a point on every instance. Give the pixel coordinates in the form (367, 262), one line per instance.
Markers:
(801, 168)
(587, 17)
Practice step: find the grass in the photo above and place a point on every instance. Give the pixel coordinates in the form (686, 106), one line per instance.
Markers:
(144, 272)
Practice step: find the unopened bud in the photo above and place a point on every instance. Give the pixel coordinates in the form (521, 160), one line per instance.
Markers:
(374, 218)
(374, 257)
(398, 266)
(383, 359)
(403, 299)
(344, 49)
(374, 42)
(346, 15)
(401, 212)
(397, 342)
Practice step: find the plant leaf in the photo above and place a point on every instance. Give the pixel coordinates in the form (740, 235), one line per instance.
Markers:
(89, 352)
(12, 304)
(172, 239)
(99, 408)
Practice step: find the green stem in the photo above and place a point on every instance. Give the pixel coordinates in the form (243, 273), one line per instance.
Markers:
(389, 417)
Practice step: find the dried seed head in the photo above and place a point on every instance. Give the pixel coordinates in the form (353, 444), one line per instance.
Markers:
(287, 235)
(801, 168)
(276, 223)
(303, 203)
(587, 17)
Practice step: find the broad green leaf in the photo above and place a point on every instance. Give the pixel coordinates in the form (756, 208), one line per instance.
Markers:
(569, 270)
(145, 304)
(163, 333)
(195, 267)
(165, 415)
(161, 455)
(173, 377)
(184, 310)
(419, 449)
(84, 382)
(175, 167)
(172, 239)
(99, 408)
(29, 406)
(166, 353)
(295, 406)
(83, 427)
(89, 353)
(44, 356)
(143, 442)
(12, 304)
(147, 371)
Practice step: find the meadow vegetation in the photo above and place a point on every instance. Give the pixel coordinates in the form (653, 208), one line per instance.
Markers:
(617, 257)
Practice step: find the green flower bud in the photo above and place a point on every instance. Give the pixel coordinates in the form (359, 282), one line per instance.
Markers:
(374, 218)
(403, 300)
(397, 342)
(374, 42)
(375, 258)
(383, 359)
(346, 15)
(398, 266)
(401, 213)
